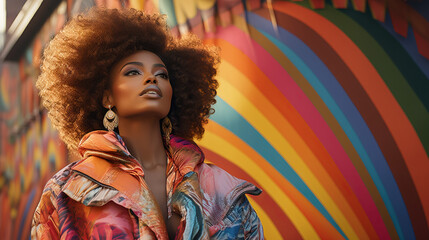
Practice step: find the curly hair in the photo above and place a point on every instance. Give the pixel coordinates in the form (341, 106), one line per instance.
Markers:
(76, 65)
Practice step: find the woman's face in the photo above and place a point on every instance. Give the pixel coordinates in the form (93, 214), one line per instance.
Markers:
(140, 86)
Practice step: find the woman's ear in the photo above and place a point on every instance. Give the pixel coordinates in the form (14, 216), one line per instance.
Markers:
(107, 99)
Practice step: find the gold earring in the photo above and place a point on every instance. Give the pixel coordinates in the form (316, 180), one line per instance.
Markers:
(167, 128)
(110, 120)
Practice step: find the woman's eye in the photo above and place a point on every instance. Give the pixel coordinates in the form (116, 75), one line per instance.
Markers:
(163, 75)
(132, 72)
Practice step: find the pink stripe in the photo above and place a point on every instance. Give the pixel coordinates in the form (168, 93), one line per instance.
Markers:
(293, 93)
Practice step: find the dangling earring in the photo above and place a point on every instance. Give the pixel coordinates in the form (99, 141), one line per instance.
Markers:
(167, 128)
(110, 120)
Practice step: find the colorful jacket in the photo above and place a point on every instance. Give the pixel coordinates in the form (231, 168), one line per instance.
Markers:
(104, 196)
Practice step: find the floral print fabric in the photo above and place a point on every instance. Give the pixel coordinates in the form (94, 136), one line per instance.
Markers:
(104, 196)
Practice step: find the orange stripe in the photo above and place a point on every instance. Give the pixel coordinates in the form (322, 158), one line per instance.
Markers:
(321, 163)
(20, 213)
(280, 220)
(311, 169)
(28, 219)
(398, 124)
(316, 219)
(281, 104)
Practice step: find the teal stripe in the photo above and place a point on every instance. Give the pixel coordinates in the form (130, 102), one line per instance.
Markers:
(407, 98)
(344, 123)
(410, 71)
(167, 7)
(230, 119)
(396, 82)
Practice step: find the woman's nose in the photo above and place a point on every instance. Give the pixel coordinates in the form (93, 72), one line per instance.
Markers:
(151, 79)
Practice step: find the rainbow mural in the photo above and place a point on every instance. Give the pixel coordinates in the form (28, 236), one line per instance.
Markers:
(322, 104)
(327, 111)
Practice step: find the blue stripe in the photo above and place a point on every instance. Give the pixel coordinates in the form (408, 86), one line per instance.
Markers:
(230, 119)
(347, 116)
(409, 44)
(26, 212)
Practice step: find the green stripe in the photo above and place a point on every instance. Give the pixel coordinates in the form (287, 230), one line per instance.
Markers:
(406, 65)
(407, 98)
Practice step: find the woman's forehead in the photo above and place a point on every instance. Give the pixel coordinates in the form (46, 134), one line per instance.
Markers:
(143, 58)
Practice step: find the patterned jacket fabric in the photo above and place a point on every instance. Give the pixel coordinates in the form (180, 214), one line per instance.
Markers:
(104, 196)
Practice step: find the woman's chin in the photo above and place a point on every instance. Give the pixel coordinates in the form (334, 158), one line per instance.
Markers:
(145, 114)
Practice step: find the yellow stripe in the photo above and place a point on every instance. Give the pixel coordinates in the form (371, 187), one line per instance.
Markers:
(205, 4)
(220, 146)
(242, 105)
(137, 4)
(270, 230)
(184, 10)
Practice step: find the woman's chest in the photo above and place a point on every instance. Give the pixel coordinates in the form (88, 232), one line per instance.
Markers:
(156, 181)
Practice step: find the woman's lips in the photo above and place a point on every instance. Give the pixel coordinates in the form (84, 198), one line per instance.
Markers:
(152, 90)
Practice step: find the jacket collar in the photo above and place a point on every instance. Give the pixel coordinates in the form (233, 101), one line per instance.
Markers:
(186, 155)
(104, 153)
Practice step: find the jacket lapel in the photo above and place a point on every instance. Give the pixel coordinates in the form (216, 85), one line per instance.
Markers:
(108, 172)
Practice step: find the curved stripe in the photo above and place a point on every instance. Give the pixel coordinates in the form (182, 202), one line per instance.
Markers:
(301, 164)
(374, 174)
(278, 161)
(409, 44)
(205, 4)
(281, 222)
(5, 211)
(212, 142)
(270, 232)
(20, 206)
(382, 98)
(4, 90)
(365, 36)
(27, 215)
(370, 209)
(402, 61)
(241, 128)
(402, 131)
(394, 64)
(323, 227)
(167, 8)
(366, 200)
(246, 66)
(361, 137)
(184, 10)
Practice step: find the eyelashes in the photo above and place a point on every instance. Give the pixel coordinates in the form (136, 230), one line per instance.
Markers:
(135, 72)
(132, 73)
(163, 75)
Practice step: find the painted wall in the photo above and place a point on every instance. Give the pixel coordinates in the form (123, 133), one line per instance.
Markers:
(324, 105)
(30, 149)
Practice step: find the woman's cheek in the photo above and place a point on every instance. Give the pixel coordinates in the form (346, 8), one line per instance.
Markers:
(122, 96)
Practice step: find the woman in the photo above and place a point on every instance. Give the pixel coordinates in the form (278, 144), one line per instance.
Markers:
(144, 178)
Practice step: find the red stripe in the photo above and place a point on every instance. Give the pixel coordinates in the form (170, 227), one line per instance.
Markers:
(273, 210)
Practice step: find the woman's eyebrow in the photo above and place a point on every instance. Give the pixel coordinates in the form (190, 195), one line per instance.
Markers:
(159, 65)
(141, 64)
(134, 63)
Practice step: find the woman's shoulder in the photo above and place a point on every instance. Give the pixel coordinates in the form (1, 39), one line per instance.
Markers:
(226, 206)
(57, 182)
(215, 180)
(221, 191)
(80, 186)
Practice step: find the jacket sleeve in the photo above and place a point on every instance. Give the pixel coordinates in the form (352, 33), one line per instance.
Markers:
(45, 219)
(252, 224)
(241, 222)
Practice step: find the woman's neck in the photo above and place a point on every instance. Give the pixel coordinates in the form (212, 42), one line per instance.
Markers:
(144, 141)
